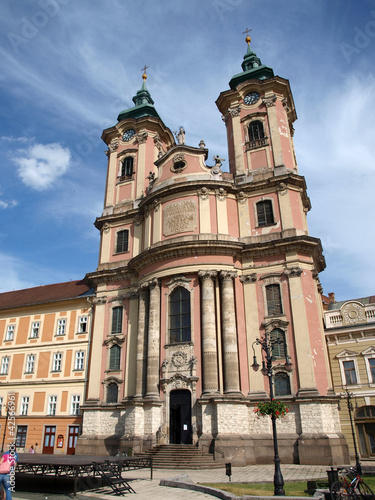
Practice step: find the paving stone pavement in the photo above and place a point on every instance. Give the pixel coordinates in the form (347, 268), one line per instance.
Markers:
(151, 489)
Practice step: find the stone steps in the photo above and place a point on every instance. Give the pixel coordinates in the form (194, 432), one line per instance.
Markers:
(177, 456)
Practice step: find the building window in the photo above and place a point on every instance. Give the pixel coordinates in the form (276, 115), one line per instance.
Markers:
(282, 384)
(350, 375)
(74, 407)
(61, 324)
(80, 360)
(10, 332)
(82, 324)
(52, 402)
(114, 357)
(273, 298)
(127, 167)
(256, 133)
(122, 242)
(35, 330)
(21, 436)
(4, 365)
(24, 405)
(30, 362)
(1, 405)
(117, 320)
(112, 392)
(265, 213)
(371, 364)
(179, 316)
(57, 360)
(277, 338)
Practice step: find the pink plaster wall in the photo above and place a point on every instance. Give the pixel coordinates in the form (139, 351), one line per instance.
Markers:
(258, 159)
(233, 218)
(298, 214)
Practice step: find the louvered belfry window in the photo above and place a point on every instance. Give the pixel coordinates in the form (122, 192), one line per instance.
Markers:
(265, 213)
(273, 297)
(122, 241)
(256, 131)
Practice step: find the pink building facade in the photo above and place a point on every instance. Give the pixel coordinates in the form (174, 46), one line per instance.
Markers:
(195, 264)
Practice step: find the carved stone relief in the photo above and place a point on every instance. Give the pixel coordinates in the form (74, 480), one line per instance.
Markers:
(180, 217)
(353, 313)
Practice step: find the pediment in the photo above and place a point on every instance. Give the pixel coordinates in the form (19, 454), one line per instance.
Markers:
(347, 354)
(369, 351)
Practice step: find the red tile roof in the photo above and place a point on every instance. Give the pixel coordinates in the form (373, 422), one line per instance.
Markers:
(46, 293)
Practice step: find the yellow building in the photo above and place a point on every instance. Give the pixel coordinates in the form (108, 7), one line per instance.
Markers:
(350, 335)
(44, 338)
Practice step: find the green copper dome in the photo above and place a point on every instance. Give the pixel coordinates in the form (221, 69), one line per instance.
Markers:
(144, 105)
(253, 69)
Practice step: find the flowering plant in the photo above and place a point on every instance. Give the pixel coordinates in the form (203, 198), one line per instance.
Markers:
(273, 408)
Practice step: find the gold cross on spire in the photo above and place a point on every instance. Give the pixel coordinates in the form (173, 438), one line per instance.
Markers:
(144, 76)
(248, 38)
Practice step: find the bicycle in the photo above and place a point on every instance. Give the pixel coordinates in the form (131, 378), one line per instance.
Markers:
(350, 487)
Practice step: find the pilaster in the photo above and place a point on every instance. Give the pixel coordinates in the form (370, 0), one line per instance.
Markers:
(301, 331)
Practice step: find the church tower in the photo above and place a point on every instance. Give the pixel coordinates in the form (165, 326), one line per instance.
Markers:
(195, 265)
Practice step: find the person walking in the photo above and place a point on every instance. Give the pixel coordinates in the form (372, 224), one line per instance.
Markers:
(8, 463)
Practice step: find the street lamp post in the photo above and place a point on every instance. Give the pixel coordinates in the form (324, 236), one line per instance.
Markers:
(348, 396)
(266, 345)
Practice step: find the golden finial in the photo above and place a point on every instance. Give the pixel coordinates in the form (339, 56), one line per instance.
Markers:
(144, 76)
(248, 38)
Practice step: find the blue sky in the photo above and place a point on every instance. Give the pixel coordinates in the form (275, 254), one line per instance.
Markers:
(69, 67)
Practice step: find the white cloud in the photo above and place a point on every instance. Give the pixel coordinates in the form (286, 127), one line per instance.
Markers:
(42, 164)
(8, 204)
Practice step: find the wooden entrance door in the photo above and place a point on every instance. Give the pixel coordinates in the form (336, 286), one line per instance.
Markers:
(73, 434)
(49, 439)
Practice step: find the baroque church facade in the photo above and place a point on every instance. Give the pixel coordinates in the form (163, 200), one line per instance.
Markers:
(195, 265)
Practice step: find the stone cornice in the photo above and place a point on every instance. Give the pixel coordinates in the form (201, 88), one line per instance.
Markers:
(109, 275)
(188, 246)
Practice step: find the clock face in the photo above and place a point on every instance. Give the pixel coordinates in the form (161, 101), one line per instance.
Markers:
(129, 134)
(251, 98)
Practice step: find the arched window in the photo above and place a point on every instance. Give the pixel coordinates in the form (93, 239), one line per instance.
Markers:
(277, 338)
(273, 298)
(282, 384)
(114, 357)
(112, 392)
(265, 213)
(256, 133)
(127, 167)
(179, 316)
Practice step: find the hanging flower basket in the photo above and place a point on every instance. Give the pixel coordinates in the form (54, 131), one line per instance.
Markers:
(272, 408)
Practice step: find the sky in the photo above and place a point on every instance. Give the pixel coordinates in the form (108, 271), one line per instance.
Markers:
(68, 67)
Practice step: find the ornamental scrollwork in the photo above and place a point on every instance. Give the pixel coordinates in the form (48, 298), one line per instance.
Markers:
(248, 278)
(269, 101)
(203, 193)
(234, 111)
(141, 137)
(221, 194)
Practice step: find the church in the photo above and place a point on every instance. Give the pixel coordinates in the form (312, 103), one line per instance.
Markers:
(195, 266)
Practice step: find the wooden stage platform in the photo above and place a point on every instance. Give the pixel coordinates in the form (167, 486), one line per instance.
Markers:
(80, 466)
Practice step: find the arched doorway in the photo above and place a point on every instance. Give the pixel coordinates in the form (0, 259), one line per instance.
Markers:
(365, 423)
(180, 417)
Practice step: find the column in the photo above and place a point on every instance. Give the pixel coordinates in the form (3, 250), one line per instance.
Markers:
(153, 341)
(209, 348)
(141, 338)
(270, 102)
(230, 349)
